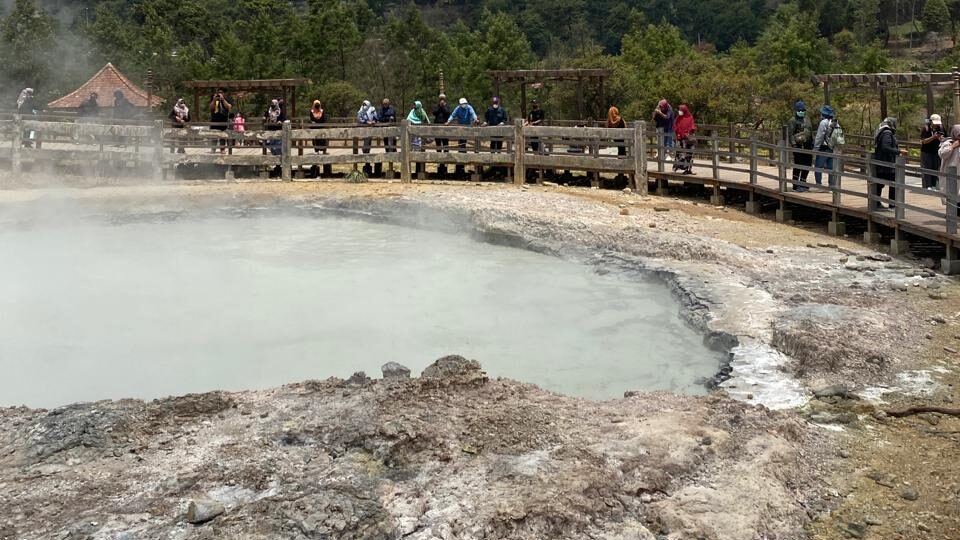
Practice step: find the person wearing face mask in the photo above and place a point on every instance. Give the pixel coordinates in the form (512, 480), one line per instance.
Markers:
(886, 150)
(801, 138)
(463, 115)
(441, 113)
(931, 135)
(496, 116)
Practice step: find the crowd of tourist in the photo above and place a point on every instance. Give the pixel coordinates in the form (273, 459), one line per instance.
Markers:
(811, 148)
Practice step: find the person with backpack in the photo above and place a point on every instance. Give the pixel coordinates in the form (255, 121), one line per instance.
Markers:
(801, 138)
(886, 150)
(463, 115)
(829, 137)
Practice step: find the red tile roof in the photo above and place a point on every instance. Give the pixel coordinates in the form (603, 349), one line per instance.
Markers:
(104, 83)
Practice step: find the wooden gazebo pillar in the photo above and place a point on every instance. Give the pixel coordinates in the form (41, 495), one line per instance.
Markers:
(883, 100)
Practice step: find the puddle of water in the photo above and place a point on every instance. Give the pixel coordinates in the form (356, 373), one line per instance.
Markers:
(151, 309)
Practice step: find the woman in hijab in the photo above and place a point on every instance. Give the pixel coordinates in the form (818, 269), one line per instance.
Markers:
(615, 121)
(367, 116)
(950, 158)
(417, 117)
(886, 150)
(179, 116)
(684, 129)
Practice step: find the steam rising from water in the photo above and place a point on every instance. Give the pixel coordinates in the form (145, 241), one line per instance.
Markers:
(95, 311)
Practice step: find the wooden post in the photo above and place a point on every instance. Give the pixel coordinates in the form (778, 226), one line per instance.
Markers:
(956, 95)
(404, 151)
(838, 173)
(873, 204)
(782, 165)
(715, 150)
(753, 159)
(158, 151)
(523, 100)
(953, 199)
(661, 151)
(929, 99)
(15, 165)
(196, 104)
(286, 172)
(640, 179)
(519, 153)
(579, 98)
(883, 100)
(826, 93)
(595, 154)
(732, 133)
(901, 183)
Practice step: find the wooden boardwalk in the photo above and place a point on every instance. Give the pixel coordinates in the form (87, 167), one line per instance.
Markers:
(753, 164)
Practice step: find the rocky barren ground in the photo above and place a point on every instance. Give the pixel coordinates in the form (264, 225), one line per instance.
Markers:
(454, 455)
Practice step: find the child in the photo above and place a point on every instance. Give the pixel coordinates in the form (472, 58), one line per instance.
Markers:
(239, 126)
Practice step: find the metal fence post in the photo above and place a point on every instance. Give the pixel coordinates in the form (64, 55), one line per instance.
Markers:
(404, 151)
(901, 183)
(661, 151)
(782, 165)
(286, 172)
(640, 158)
(838, 174)
(519, 153)
(952, 199)
(715, 149)
(15, 164)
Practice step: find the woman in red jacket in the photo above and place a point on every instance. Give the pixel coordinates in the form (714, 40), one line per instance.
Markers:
(684, 129)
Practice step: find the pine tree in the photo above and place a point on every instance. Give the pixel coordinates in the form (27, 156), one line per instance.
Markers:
(935, 16)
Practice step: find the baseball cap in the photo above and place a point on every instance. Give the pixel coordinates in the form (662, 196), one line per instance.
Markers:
(463, 101)
(936, 120)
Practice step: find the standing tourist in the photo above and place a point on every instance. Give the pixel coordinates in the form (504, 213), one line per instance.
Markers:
(89, 108)
(684, 128)
(273, 120)
(801, 138)
(535, 117)
(664, 119)
(387, 115)
(949, 154)
(829, 137)
(179, 117)
(122, 110)
(931, 135)
(615, 121)
(367, 117)
(495, 116)
(27, 105)
(441, 113)
(418, 117)
(463, 116)
(220, 116)
(886, 150)
(318, 117)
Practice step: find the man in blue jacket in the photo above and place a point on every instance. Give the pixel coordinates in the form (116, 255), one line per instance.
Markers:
(464, 116)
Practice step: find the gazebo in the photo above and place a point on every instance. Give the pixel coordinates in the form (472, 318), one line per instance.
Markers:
(105, 82)
(286, 87)
(539, 76)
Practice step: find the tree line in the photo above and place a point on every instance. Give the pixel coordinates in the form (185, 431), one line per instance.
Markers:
(742, 61)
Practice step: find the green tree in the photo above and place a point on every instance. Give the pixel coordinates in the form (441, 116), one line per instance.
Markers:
(865, 15)
(792, 44)
(935, 16)
(27, 34)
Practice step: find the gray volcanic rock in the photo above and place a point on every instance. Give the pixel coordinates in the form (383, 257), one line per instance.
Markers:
(393, 370)
(453, 455)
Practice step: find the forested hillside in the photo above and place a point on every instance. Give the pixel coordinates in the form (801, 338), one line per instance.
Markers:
(732, 60)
